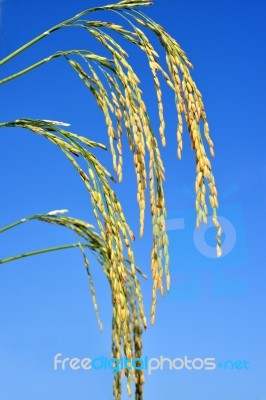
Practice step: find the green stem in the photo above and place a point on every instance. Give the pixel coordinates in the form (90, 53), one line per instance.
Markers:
(36, 252)
(27, 45)
(21, 221)
(37, 39)
(24, 71)
(45, 60)
(63, 24)
(6, 228)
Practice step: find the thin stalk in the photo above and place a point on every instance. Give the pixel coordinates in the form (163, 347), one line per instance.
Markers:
(45, 60)
(89, 54)
(6, 228)
(64, 24)
(36, 252)
(4, 124)
(21, 221)
(27, 45)
(24, 71)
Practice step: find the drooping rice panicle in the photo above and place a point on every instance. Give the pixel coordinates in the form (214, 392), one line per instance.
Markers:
(189, 104)
(92, 289)
(120, 98)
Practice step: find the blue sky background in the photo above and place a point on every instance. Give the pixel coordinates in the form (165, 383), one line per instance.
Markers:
(216, 307)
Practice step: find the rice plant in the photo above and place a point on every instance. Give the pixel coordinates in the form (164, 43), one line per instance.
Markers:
(116, 88)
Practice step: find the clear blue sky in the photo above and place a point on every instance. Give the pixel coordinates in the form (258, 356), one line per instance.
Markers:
(216, 307)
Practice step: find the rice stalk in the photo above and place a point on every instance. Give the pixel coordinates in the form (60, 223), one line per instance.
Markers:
(117, 91)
